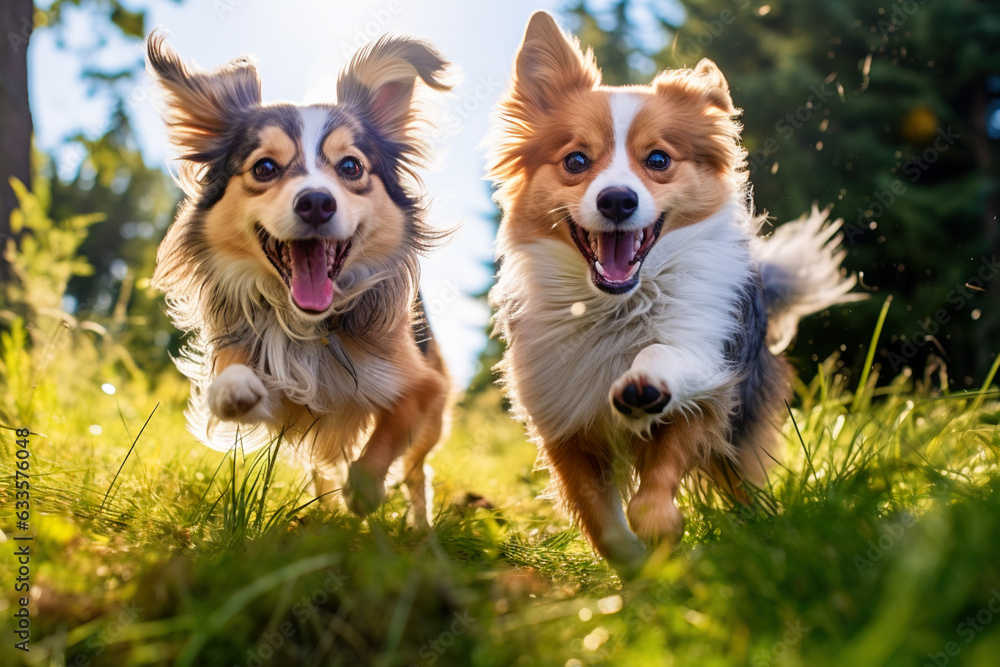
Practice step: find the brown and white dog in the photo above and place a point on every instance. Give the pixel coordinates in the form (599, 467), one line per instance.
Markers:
(293, 262)
(634, 295)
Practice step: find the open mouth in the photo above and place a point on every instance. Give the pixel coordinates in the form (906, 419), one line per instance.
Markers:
(616, 257)
(309, 267)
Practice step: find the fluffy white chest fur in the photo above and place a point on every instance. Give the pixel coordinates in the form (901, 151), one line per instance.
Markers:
(308, 376)
(568, 342)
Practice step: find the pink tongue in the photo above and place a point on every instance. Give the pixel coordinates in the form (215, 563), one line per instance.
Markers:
(312, 288)
(614, 253)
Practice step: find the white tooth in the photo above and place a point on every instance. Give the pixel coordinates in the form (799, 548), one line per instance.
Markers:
(600, 269)
(637, 242)
(632, 271)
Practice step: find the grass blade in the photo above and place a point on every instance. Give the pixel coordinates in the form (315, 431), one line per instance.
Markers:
(986, 385)
(870, 357)
(122, 466)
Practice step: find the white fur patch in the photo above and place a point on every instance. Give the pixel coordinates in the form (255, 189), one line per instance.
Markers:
(800, 263)
(300, 366)
(237, 394)
(688, 380)
(624, 107)
(616, 536)
(314, 121)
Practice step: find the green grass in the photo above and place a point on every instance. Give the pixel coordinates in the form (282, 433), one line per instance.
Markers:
(874, 542)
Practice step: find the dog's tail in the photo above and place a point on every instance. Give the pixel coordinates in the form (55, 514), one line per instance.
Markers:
(800, 268)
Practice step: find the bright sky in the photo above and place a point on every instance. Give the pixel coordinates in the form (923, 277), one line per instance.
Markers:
(301, 47)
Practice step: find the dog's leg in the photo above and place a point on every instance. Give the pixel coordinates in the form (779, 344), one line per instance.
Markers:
(365, 487)
(661, 464)
(421, 494)
(395, 431)
(663, 380)
(417, 492)
(588, 487)
(325, 486)
(237, 393)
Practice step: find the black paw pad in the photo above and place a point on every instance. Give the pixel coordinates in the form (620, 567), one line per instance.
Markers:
(636, 397)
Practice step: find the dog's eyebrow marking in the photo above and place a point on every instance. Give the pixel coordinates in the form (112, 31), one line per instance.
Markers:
(246, 141)
(286, 118)
(283, 117)
(336, 119)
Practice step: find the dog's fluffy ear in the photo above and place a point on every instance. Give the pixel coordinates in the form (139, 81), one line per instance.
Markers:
(716, 87)
(201, 106)
(379, 84)
(549, 64)
(705, 80)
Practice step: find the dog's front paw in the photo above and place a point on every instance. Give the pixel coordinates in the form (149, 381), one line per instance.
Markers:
(637, 395)
(656, 519)
(235, 393)
(363, 492)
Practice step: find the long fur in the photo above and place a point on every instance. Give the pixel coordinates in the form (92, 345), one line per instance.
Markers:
(800, 264)
(200, 107)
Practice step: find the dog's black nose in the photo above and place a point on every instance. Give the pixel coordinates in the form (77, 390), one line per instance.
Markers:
(315, 207)
(617, 204)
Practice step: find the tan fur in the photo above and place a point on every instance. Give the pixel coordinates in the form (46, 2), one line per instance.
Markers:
(661, 464)
(585, 477)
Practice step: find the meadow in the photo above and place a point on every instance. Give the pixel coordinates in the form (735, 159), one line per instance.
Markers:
(875, 542)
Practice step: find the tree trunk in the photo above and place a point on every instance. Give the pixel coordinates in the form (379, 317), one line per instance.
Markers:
(16, 18)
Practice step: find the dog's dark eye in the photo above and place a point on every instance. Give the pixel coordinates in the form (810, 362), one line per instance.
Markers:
(658, 161)
(576, 162)
(350, 167)
(265, 169)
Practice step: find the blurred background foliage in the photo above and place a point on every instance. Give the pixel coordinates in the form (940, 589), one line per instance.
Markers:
(115, 207)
